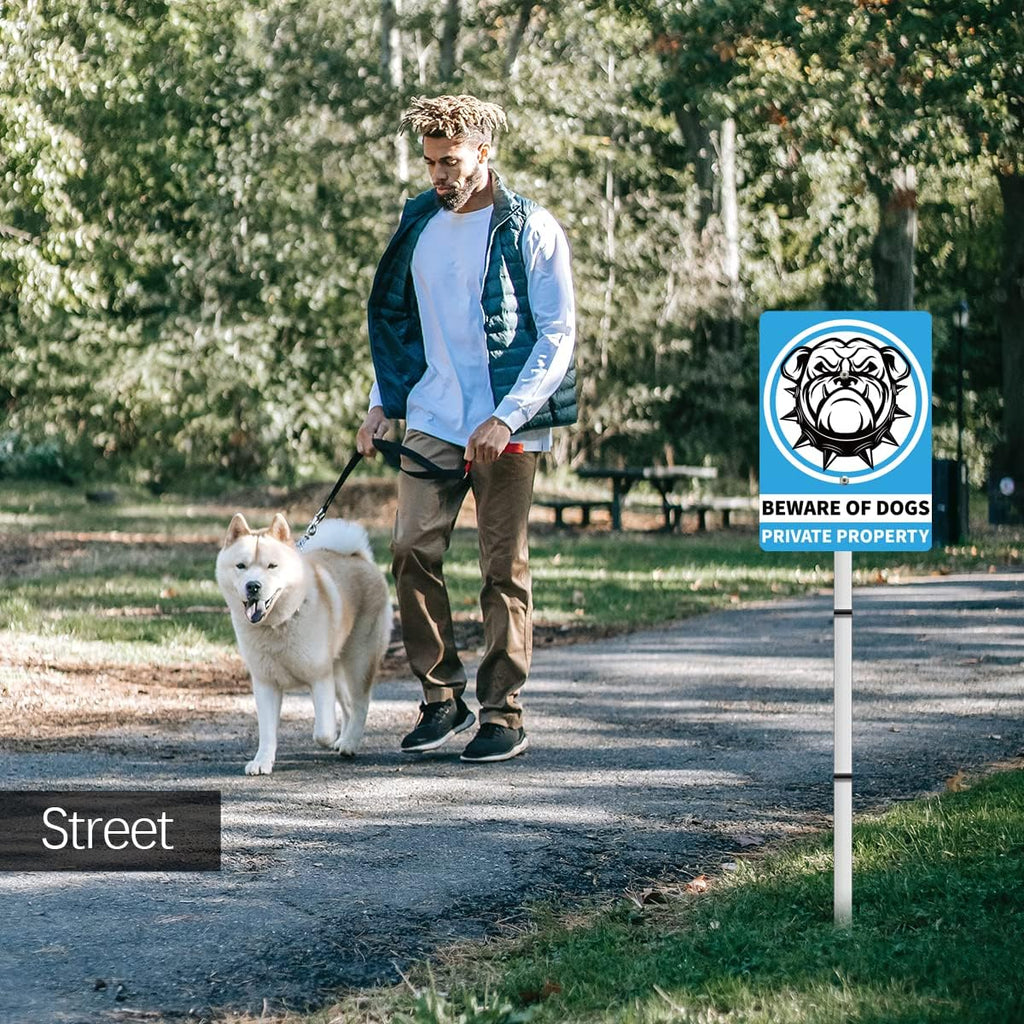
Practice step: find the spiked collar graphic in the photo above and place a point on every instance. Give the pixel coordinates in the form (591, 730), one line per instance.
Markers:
(846, 394)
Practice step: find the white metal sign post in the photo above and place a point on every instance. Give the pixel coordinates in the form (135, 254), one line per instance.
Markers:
(845, 466)
(842, 755)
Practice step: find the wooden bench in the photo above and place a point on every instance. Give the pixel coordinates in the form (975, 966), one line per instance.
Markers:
(559, 505)
(662, 478)
(725, 506)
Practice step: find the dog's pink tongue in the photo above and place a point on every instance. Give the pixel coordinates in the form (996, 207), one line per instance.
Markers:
(255, 611)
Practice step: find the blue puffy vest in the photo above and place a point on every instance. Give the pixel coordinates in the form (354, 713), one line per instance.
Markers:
(396, 337)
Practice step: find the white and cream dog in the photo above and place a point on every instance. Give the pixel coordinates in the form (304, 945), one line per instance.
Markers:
(316, 619)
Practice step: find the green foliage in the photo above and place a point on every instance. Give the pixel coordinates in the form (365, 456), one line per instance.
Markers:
(829, 107)
(23, 460)
(207, 313)
(193, 198)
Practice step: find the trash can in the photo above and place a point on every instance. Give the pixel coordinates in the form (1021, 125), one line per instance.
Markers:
(949, 503)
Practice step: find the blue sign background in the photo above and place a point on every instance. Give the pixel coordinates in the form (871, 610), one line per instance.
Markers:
(895, 475)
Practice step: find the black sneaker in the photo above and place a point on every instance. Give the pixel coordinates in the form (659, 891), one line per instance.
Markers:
(438, 722)
(495, 742)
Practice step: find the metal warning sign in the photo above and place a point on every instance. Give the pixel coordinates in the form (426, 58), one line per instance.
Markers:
(846, 447)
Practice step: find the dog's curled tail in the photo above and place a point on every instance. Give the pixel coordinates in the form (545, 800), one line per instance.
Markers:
(341, 536)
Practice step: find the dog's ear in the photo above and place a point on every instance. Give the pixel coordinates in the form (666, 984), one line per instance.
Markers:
(279, 529)
(238, 527)
(793, 367)
(898, 366)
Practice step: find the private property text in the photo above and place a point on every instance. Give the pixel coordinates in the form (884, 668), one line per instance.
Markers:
(841, 536)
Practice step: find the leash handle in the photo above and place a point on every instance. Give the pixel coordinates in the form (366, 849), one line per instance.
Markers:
(393, 452)
(322, 512)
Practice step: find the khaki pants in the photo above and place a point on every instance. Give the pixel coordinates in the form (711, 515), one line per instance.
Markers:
(427, 510)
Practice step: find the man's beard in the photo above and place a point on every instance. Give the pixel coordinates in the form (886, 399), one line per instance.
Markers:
(459, 195)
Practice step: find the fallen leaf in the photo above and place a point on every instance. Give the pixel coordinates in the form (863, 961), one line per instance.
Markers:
(745, 841)
(645, 897)
(533, 995)
(653, 896)
(697, 885)
(955, 783)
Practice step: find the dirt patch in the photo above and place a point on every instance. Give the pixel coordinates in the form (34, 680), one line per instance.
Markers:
(53, 695)
(51, 698)
(55, 690)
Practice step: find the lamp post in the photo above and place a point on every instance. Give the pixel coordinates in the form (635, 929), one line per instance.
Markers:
(961, 318)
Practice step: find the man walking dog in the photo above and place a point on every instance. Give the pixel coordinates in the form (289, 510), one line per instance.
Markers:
(472, 332)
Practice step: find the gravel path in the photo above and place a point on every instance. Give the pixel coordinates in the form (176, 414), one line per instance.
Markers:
(655, 754)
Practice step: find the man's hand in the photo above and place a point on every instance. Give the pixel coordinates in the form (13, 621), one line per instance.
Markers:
(487, 442)
(375, 425)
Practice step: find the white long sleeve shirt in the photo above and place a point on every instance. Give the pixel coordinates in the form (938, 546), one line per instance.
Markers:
(454, 397)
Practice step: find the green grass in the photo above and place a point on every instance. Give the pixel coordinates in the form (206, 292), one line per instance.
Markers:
(114, 588)
(120, 593)
(938, 920)
(35, 508)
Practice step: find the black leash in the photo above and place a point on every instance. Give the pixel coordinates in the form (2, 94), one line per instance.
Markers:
(392, 452)
(319, 517)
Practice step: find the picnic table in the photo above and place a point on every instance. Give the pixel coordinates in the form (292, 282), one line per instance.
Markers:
(662, 478)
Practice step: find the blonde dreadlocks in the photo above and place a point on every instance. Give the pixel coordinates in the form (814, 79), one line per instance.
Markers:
(453, 117)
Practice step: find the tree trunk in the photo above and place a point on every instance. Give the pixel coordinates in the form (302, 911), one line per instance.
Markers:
(892, 254)
(717, 352)
(422, 57)
(701, 153)
(392, 74)
(611, 205)
(730, 213)
(1010, 460)
(450, 40)
(713, 152)
(515, 40)
(390, 44)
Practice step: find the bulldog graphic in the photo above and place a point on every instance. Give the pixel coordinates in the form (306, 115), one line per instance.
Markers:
(846, 394)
